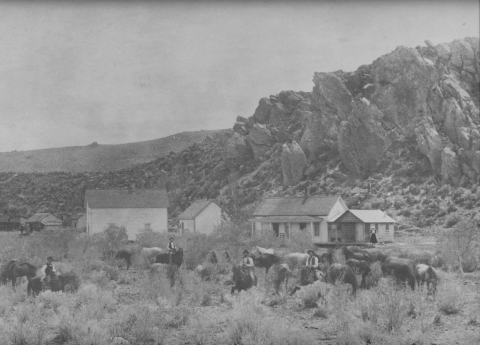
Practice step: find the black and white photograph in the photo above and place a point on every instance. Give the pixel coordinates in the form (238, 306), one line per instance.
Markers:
(240, 172)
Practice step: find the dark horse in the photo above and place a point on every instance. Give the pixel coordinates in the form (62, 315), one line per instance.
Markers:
(177, 258)
(343, 273)
(14, 269)
(266, 260)
(401, 269)
(353, 253)
(242, 280)
(362, 267)
(63, 282)
(121, 254)
(307, 277)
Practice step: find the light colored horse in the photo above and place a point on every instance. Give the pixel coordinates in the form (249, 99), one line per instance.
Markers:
(296, 259)
(425, 273)
(283, 274)
(262, 251)
(149, 254)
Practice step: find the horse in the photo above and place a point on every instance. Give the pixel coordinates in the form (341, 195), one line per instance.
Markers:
(425, 273)
(375, 255)
(177, 258)
(327, 258)
(65, 282)
(351, 253)
(14, 269)
(266, 260)
(212, 257)
(242, 280)
(148, 254)
(296, 259)
(338, 272)
(307, 277)
(121, 254)
(262, 251)
(283, 274)
(401, 269)
(362, 267)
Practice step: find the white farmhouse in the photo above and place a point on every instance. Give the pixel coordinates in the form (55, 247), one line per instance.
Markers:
(202, 217)
(135, 209)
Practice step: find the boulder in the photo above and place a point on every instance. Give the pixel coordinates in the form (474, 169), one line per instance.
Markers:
(240, 128)
(260, 140)
(362, 140)
(262, 113)
(450, 166)
(237, 151)
(294, 163)
(430, 143)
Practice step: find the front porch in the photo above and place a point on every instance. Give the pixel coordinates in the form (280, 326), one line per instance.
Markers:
(284, 226)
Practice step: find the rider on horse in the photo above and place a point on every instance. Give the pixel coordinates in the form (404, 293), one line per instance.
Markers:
(312, 263)
(48, 271)
(171, 249)
(247, 264)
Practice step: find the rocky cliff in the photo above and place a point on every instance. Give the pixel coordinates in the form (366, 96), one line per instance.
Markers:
(428, 95)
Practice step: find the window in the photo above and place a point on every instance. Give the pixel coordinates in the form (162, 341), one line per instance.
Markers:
(387, 226)
(303, 226)
(376, 227)
(316, 229)
(339, 226)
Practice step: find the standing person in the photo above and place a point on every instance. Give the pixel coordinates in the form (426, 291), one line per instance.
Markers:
(247, 264)
(312, 263)
(48, 271)
(171, 249)
(373, 236)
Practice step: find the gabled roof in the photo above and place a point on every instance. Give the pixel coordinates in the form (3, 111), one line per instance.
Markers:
(195, 209)
(372, 216)
(38, 217)
(125, 198)
(296, 206)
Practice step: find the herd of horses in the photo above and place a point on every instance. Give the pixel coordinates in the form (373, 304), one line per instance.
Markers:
(357, 262)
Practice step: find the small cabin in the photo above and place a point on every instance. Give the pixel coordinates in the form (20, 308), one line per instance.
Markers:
(43, 221)
(202, 216)
(356, 226)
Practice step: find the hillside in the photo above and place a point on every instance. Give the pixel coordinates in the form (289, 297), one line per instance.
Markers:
(97, 157)
(405, 125)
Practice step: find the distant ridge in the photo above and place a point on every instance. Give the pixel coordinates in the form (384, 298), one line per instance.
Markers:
(98, 157)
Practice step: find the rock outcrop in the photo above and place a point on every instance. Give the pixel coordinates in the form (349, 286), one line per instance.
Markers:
(294, 163)
(428, 94)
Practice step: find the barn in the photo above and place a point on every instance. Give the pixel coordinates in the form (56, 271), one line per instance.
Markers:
(202, 216)
(43, 221)
(134, 209)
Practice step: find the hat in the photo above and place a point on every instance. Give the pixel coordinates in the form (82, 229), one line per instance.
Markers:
(172, 239)
(50, 258)
(310, 250)
(245, 252)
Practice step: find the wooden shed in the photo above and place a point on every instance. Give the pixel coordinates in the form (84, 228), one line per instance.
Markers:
(43, 221)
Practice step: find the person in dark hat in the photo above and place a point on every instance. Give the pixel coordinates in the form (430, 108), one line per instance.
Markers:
(312, 263)
(171, 249)
(48, 271)
(247, 264)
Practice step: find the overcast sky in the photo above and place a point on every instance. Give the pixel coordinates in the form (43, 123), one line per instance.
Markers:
(74, 73)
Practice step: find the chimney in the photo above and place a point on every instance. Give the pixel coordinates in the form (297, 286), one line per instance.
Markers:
(305, 194)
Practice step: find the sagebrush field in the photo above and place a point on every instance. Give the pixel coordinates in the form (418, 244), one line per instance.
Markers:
(138, 306)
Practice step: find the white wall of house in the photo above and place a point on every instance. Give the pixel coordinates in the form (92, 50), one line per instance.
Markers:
(133, 219)
(187, 225)
(383, 234)
(207, 220)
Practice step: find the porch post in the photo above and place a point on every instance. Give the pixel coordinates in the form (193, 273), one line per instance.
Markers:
(312, 230)
(253, 228)
(289, 228)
